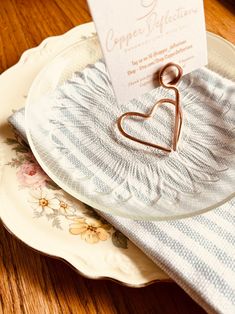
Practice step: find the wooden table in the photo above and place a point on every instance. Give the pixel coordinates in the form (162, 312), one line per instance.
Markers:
(33, 283)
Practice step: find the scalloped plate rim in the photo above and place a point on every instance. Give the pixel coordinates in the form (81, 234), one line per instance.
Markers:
(21, 60)
(63, 255)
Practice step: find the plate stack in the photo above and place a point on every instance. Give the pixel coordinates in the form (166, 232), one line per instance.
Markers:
(92, 190)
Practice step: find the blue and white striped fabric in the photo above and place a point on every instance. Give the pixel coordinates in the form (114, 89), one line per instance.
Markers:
(87, 155)
(198, 253)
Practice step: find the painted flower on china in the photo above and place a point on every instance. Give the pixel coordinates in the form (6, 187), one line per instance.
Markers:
(66, 207)
(91, 230)
(44, 201)
(31, 175)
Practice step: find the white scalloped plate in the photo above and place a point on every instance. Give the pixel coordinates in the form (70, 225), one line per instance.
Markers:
(105, 254)
(98, 260)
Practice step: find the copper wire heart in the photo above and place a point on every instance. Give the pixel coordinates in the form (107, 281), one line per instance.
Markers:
(176, 103)
(148, 116)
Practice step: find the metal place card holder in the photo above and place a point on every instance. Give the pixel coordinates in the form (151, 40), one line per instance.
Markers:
(178, 111)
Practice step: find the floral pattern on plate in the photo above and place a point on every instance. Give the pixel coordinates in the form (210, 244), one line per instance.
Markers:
(47, 199)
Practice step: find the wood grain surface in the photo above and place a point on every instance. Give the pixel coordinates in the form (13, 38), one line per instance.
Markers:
(29, 281)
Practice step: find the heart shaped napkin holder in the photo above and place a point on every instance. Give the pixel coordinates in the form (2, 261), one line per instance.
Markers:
(176, 102)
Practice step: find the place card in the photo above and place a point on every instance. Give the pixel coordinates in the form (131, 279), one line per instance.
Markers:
(140, 36)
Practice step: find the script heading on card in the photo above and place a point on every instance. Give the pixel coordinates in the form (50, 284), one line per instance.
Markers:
(139, 36)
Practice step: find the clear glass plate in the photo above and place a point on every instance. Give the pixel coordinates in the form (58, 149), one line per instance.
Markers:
(71, 130)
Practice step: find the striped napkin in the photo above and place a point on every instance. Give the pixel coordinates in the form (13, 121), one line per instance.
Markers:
(198, 252)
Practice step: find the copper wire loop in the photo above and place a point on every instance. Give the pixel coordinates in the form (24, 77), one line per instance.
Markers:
(176, 102)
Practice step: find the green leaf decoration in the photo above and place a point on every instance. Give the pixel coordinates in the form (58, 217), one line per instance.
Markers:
(20, 149)
(24, 144)
(11, 141)
(29, 158)
(52, 185)
(51, 216)
(56, 223)
(119, 240)
(14, 163)
(37, 214)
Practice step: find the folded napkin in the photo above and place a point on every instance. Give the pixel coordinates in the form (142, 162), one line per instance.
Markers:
(198, 252)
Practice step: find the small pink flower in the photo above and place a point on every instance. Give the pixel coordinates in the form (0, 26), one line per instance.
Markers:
(31, 175)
